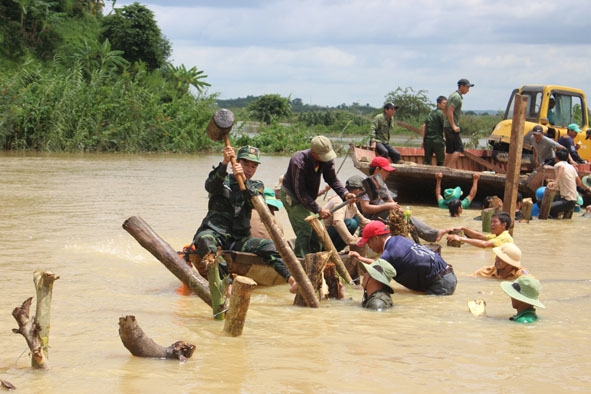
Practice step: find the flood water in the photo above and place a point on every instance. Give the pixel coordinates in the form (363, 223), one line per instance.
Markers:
(63, 213)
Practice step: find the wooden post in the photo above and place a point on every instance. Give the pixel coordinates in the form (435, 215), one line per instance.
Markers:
(44, 288)
(314, 264)
(217, 287)
(526, 207)
(486, 215)
(332, 281)
(239, 302)
(546, 203)
(140, 345)
(167, 256)
(324, 238)
(287, 254)
(514, 163)
(29, 329)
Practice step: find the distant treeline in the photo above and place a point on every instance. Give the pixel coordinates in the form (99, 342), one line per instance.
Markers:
(75, 80)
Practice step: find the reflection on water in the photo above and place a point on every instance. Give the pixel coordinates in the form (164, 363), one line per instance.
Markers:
(64, 213)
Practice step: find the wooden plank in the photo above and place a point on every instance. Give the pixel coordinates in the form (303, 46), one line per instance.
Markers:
(484, 163)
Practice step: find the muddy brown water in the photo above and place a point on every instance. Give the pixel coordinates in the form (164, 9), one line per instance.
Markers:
(64, 213)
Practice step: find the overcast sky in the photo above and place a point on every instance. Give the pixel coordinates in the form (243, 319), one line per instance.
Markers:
(329, 52)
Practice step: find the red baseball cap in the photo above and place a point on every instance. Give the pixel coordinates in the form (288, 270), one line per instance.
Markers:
(381, 162)
(373, 228)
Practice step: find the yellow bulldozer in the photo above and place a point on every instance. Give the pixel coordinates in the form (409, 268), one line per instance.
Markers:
(551, 106)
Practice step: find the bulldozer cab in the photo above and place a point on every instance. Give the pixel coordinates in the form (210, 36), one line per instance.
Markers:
(551, 106)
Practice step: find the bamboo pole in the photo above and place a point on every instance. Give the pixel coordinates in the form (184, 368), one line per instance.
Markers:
(514, 163)
(324, 238)
(239, 302)
(167, 256)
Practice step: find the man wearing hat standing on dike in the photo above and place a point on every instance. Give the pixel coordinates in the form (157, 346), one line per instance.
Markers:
(524, 293)
(451, 126)
(299, 191)
(381, 128)
(227, 223)
(376, 284)
(507, 264)
(451, 197)
(543, 146)
(568, 141)
(417, 267)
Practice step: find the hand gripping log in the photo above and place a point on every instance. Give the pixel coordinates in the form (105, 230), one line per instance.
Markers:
(218, 129)
(370, 187)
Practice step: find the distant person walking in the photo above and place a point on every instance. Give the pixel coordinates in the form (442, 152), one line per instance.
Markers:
(433, 141)
(453, 142)
(381, 128)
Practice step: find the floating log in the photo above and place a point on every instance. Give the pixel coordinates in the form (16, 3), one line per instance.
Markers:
(324, 238)
(140, 345)
(239, 302)
(29, 329)
(167, 256)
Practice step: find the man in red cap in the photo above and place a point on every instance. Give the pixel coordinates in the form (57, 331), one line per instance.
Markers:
(417, 267)
(381, 206)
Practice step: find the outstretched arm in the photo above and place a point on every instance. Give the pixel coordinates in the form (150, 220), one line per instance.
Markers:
(474, 188)
(438, 178)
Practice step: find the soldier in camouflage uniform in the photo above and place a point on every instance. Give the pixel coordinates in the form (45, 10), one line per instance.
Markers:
(380, 130)
(376, 284)
(227, 223)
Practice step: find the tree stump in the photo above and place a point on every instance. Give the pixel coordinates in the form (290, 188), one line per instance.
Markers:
(546, 203)
(140, 345)
(314, 264)
(324, 238)
(239, 302)
(526, 207)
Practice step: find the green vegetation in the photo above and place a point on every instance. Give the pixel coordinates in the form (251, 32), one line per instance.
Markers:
(73, 79)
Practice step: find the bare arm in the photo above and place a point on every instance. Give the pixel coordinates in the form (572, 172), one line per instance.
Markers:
(450, 118)
(438, 195)
(480, 243)
(370, 209)
(474, 189)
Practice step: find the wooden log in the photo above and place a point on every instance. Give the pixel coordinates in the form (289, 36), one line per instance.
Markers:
(220, 124)
(484, 163)
(239, 302)
(546, 203)
(314, 264)
(28, 328)
(167, 256)
(526, 207)
(514, 164)
(486, 215)
(332, 281)
(324, 238)
(140, 345)
(455, 244)
(44, 288)
(305, 288)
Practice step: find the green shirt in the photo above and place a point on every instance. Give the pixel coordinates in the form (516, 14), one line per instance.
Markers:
(380, 129)
(434, 125)
(378, 300)
(454, 100)
(526, 316)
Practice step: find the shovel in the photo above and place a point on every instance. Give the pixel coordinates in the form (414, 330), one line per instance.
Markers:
(218, 129)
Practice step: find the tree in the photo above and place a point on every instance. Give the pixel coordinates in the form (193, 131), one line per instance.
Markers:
(133, 30)
(411, 104)
(270, 107)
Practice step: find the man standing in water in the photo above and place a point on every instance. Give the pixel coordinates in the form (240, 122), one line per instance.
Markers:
(227, 223)
(300, 187)
(451, 127)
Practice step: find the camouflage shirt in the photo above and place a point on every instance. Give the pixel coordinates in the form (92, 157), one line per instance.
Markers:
(381, 128)
(229, 208)
(378, 300)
